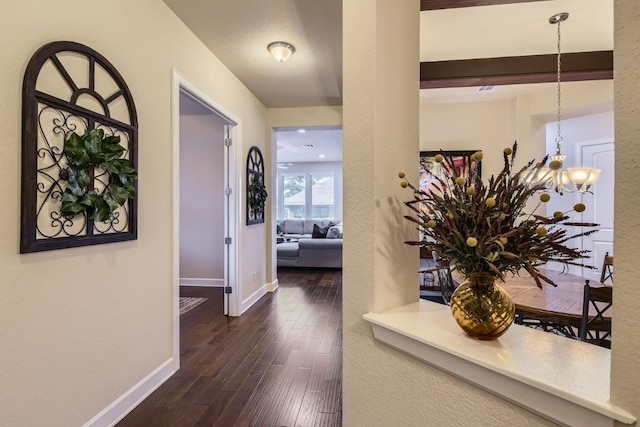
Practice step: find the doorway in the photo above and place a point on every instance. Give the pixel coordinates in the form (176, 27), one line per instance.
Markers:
(204, 200)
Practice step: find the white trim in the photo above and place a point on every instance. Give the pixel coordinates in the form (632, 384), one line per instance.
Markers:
(567, 383)
(254, 297)
(178, 82)
(271, 287)
(120, 407)
(196, 281)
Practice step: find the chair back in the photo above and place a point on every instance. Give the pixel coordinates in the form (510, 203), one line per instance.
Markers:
(595, 327)
(447, 285)
(606, 273)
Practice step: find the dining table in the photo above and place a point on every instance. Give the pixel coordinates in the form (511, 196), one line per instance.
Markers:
(559, 306)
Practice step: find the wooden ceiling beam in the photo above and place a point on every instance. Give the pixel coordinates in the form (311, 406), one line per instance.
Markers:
(516, 70)
(452, 4)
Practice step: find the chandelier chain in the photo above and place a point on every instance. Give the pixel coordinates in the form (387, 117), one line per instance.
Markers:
(559, 137)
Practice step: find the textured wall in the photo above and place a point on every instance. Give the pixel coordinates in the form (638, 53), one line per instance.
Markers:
(468, 126)
(625, 376)
(79, 327)
(304, 116)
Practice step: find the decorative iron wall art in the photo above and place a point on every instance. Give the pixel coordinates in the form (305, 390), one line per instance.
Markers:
(79, 151)
(256, 190)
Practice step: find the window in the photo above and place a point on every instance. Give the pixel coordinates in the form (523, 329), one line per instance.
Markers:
(306, 195)
(322, 196)
(294, 197)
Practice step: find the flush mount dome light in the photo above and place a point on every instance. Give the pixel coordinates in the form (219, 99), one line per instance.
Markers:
(281, 51)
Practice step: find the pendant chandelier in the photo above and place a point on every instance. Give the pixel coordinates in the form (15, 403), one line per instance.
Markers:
(578, 179)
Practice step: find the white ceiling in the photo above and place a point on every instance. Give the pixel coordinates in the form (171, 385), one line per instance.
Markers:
(319, 142)
(238, 31)
(515, 29)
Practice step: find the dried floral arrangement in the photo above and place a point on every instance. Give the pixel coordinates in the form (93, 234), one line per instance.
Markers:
(484, 228)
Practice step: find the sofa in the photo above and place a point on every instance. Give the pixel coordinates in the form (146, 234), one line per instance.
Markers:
(309, 243)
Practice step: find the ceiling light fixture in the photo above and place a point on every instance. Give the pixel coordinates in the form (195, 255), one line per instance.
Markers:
(281, 51)
(322, 156)
(556, 178)
(302, 131)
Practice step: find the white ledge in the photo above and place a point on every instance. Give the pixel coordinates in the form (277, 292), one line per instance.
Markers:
(563, 380)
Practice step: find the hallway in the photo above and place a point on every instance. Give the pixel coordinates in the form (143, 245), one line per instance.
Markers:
(279, 364)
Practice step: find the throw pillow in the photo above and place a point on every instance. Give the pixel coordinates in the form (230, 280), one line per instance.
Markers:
(335, 232)
(319, 232)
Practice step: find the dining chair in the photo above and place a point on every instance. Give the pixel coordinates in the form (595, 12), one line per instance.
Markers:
(607, 269)
(596, 329)
(447, 285)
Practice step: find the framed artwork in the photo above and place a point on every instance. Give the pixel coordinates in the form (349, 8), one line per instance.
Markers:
(430, 168)
(79, 158)
(256, 190)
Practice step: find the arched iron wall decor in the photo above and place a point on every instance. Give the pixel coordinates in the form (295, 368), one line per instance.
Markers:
(256, 190)
(70, 88)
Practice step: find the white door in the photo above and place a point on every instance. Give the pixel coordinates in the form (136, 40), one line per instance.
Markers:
(599, 205)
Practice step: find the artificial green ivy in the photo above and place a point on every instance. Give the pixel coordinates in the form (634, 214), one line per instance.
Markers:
(84, 153)
(257, 194)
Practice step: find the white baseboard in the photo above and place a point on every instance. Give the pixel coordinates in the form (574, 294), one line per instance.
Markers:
(120, 407)
(193, 281)
(253, 298)
(272, 286)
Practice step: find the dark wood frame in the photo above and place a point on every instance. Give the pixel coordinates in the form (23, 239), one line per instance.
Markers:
(32, 101)
(578, 66)
(255, 168)
(451, 4)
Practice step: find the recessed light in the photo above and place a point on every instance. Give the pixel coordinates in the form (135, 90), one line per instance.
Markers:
(322, 156)
(302, 131)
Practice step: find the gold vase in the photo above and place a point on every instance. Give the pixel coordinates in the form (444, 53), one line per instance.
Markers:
(482, 308)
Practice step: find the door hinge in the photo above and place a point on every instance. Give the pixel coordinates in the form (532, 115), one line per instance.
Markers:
(227, 142)
(227, 289)
(228, 191)
(227, 240)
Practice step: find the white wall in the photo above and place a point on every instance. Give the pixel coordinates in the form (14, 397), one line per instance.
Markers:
(333, 168)
(82, 326)
(482, 126)
(202, 154)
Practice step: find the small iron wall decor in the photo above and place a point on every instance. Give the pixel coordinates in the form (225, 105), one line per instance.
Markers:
(256, 190)
(79, 151)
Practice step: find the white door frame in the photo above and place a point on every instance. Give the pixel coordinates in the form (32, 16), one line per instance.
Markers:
(596, 256)
(180, 82)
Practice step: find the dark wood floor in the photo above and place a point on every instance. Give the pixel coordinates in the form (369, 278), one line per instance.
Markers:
(279, 364)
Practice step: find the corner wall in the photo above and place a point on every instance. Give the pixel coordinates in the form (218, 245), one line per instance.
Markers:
(625, 376)
(82, 326)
